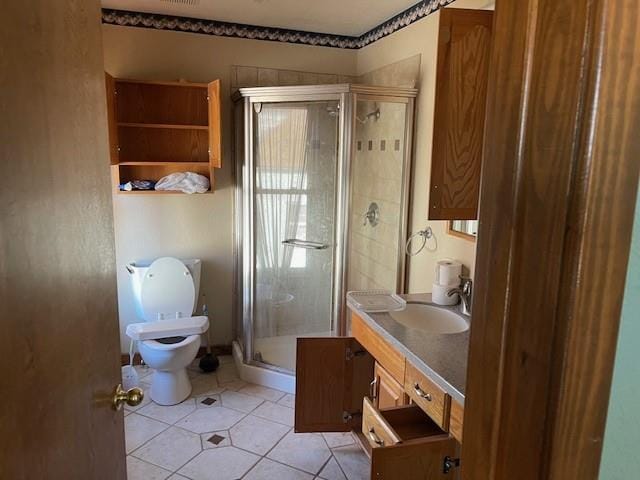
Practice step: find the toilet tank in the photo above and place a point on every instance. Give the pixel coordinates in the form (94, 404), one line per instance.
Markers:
(138, 270)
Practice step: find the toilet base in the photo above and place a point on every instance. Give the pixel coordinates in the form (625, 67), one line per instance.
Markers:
(170, 387)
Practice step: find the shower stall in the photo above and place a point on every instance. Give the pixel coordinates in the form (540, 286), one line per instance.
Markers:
(322, 175)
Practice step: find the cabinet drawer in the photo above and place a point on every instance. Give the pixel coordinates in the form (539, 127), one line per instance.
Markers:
(387, 356)
(428, 396)
(406, 443)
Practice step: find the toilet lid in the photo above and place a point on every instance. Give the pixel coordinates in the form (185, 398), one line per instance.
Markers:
(167, 290)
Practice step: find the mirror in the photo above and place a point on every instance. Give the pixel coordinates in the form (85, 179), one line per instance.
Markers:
(467, 229)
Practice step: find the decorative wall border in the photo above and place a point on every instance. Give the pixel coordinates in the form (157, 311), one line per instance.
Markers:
(256, 32)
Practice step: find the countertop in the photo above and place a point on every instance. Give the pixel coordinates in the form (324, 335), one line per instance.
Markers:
(441, 357)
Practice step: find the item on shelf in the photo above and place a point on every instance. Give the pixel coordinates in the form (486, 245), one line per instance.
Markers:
(138, 185)
(187, 182)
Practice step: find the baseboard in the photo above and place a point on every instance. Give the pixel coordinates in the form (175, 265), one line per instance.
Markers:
(216, 349)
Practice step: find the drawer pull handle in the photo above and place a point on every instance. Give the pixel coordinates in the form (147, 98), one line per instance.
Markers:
(373, 387)
(421, 393)
(375, 438)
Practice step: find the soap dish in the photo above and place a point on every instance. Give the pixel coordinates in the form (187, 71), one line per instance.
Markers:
(375, 301)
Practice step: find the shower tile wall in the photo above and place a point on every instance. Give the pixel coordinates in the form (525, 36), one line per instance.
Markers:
(376, 177)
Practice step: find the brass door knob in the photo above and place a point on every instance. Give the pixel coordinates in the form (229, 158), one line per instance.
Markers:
(132, 397)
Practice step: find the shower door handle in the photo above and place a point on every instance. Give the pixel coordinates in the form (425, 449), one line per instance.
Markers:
(308, 244)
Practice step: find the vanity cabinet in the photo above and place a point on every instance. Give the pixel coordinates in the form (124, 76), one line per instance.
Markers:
(462, 71)
(362, 383)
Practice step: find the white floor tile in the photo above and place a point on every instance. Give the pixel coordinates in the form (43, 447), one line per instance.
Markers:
(171, 449)
(275, 413)
(168, 414)
(234, 385)
(355, 464)
(331, 471)
(240, 401)
(288, 400)
(139, 470)
(268, 469)
(210, 419)
(205, 385)
(339, 439)
(227, 463)
(263, 392)
(139, 429)
(256, 434)
(175, 476)
(306, 451)
(227, 372)
(225, 442)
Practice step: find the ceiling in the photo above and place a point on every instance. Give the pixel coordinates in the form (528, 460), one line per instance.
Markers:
(340, 17)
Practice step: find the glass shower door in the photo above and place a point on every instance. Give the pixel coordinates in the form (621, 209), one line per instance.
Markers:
(295, 158)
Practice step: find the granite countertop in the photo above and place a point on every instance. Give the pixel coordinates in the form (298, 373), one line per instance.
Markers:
(441, 357)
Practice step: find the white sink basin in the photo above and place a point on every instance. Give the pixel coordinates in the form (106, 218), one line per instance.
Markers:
(432, 319)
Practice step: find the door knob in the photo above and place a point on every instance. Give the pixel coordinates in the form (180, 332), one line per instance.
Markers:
(131, 397)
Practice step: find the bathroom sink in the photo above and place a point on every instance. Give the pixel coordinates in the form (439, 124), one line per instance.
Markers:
(430, 318)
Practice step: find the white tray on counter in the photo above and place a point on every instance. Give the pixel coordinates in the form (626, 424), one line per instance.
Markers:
(375, 301)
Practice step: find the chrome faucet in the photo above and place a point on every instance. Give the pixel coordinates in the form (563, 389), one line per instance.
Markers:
(465, 291)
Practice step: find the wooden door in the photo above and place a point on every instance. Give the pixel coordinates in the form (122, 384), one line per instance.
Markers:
(388, 392)
(333, 375)
(59, 345)
(215, 127)
(559, 184)
(464, 46)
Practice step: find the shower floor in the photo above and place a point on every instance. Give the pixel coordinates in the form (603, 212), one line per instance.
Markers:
(281, 350)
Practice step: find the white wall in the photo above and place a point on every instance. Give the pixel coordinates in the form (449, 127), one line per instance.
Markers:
(194, 226)
(421, 38)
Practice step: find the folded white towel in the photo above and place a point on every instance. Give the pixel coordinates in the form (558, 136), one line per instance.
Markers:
(187, 182)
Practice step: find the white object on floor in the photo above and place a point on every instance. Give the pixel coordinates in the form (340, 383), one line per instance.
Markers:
(187, 182)
(166, 295)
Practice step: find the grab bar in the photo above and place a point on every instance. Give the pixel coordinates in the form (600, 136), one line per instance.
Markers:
(295, 242)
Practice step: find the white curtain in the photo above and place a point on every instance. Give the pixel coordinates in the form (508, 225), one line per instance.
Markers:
(280, 181)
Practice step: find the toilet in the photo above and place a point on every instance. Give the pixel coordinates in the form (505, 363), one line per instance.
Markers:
(166, 293)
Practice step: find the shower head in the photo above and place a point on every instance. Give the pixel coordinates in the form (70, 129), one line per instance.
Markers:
(375, 114)
(333, 110)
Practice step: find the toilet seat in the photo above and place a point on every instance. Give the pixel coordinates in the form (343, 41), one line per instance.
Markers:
(176, 327)
(167, 290)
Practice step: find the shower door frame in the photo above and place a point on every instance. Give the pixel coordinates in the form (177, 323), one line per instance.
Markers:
(346, 95)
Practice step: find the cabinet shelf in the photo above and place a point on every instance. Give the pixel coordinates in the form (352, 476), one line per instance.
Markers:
(164, 164)
(167, 126)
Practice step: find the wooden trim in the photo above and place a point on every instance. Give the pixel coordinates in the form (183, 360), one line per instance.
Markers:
(217, 349)
(162, 82)
(215, 128)
(558, 191)
(456, 233)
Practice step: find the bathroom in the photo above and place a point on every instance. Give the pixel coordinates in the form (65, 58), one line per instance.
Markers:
(332, 165)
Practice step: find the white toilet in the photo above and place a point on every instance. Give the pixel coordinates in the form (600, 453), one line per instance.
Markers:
(166, 293)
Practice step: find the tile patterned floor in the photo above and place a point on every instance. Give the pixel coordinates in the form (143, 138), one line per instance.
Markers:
(229, 430)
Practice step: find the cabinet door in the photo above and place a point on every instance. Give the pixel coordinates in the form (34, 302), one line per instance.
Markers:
(215, 137)
(461, 90)
(388, 392)
(112, 122)
(333, 375)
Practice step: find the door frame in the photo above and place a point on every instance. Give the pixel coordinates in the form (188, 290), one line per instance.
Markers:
(558, 191)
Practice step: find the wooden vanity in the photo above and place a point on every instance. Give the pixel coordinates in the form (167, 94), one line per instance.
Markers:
(409, 425)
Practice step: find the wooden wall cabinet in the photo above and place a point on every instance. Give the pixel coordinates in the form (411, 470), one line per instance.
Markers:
(462, 71)
(158, 128)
